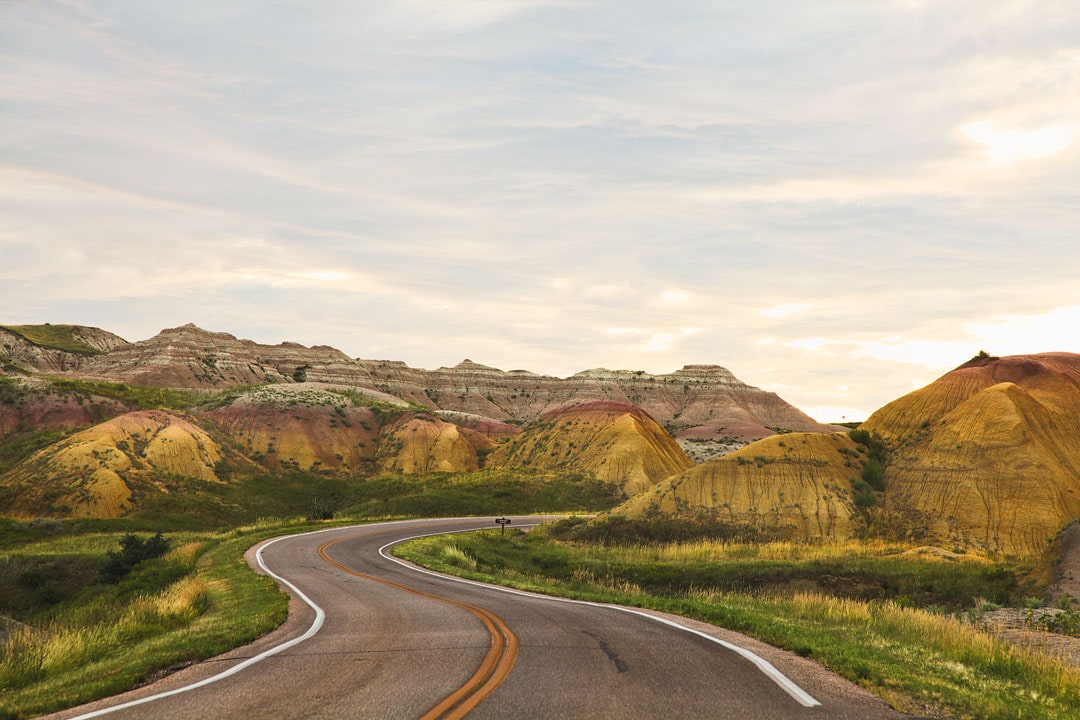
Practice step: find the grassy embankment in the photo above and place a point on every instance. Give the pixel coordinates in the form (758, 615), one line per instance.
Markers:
(78, 639)
(897, 624)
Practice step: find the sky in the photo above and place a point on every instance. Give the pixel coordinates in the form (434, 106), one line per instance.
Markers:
(839, 201)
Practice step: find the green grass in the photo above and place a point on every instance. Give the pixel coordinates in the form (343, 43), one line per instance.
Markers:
(138, 397)
(484, 492)
(59, 337)
(193, 504)
(912, 657)
(17, 447)
(198, 601)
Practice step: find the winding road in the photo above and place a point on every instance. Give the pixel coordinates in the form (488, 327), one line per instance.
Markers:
(370, 636)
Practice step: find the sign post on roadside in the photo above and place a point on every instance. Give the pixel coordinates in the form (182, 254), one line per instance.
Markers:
(502, 522)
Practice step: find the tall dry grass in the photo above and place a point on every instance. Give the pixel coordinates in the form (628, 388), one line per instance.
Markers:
(32, 653)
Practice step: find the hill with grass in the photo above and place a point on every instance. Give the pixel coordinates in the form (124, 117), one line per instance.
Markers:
(25, 349)
(303, 426)
(611, 441)
(102, 471)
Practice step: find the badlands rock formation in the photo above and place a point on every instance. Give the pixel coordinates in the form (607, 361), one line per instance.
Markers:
(99, 472)
(303, 427)
(799, 485)
(704, 406)
(422, 443)
(612, 441)
(33, 348)
(189, 357)
(698, 402)
(32, 404)
(987, 456)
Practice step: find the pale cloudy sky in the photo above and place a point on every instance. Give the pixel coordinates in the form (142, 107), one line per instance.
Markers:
(837, 200)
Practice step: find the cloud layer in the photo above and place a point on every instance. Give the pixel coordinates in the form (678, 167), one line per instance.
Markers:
(836, 200)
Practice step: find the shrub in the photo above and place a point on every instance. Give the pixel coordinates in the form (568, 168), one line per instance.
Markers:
(133, 550)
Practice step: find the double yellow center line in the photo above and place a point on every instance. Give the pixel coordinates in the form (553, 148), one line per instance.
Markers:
(497, 663)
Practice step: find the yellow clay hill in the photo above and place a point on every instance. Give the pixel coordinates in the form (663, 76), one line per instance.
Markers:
(94, 473)
(798, 484)
(612, 441)
(987, 457)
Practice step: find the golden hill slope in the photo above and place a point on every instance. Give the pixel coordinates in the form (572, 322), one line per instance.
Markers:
(96, 472)
(988, 455)
(799, 484)
(612, 441)
(420, 443)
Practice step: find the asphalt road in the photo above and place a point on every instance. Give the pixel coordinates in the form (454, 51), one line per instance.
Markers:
(390, 641)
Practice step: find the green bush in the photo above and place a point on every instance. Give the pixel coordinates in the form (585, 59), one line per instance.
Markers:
(133, 550)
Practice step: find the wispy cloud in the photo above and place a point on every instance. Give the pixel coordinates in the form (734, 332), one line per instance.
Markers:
(816, 195)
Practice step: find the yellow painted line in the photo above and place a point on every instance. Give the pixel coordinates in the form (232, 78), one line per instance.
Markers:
(494, 668)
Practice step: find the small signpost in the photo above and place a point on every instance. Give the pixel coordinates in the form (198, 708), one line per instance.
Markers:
(502, 522)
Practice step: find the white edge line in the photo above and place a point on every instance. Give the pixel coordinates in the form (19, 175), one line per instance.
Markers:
(770, 671)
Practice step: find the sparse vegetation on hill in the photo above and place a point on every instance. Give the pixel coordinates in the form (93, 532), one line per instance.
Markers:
(986, 456)
(60, 337)
(782, 538)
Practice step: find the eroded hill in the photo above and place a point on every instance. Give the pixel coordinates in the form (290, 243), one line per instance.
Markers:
(988, 455)
(612, 441)
(102, 471)
(704, 406)
(799, 485)
(986, 458)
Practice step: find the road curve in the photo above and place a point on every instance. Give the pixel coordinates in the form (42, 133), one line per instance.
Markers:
(371, 637)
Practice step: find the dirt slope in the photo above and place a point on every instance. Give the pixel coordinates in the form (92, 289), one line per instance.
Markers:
(304, 427)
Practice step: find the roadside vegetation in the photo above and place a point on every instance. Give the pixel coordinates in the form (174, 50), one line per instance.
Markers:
(74, 632)
(896, 621)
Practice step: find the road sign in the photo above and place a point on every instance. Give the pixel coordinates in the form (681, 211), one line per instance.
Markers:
(502, 522)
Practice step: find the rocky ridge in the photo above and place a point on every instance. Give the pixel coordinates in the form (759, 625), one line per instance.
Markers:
(20, 354)
(704, 406)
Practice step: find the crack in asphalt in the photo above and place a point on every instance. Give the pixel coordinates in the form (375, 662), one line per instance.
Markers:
(619, 663)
